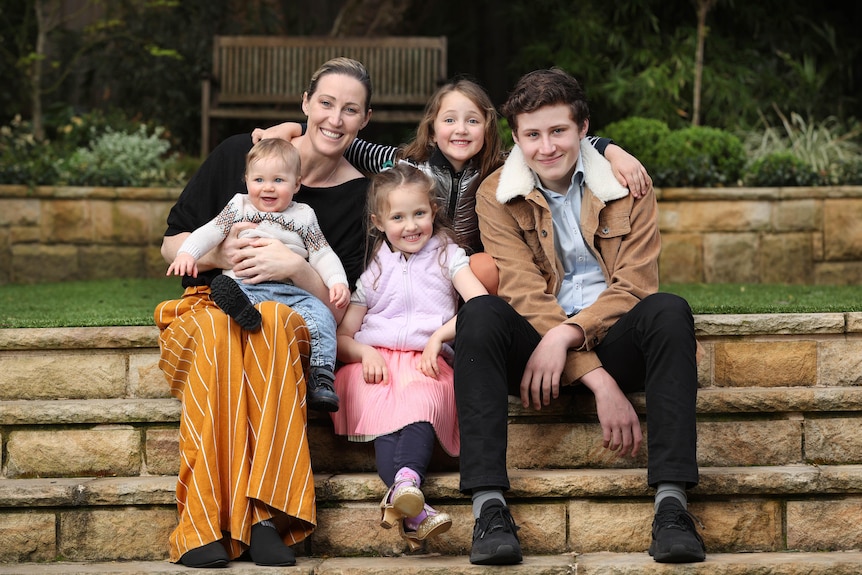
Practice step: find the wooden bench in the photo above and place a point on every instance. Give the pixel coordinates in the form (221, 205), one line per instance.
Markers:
(263, 77)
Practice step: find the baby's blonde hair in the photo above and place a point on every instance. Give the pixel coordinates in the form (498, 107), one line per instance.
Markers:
(275, 148)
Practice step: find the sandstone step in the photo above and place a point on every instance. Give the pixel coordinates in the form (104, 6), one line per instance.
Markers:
(778, 417)
(771, 426)
(763, 509)
(824, 563)
(768, 350)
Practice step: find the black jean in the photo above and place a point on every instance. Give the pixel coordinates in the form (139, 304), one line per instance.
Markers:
(651, 348)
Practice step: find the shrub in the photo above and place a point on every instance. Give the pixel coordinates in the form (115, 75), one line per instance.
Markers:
(640, 137)
(94, 149)
(830, 147)
(118, 159)
(23, 160)
(781, 169)
(699, 156)
(850, 172)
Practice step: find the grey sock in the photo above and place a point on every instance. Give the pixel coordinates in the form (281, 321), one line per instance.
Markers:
(482, 496)
(671, 489)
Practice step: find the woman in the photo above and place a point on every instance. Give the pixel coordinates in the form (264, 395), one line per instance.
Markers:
(245, 479)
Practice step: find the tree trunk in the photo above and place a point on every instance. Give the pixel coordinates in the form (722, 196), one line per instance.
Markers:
(42, 27)
(703, 8)
(370, 18)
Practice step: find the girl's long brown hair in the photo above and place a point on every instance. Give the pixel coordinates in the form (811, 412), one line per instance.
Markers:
(489, 157)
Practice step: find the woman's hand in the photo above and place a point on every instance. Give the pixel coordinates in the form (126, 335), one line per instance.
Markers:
(266, 259)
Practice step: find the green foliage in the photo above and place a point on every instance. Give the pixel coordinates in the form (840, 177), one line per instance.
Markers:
(96, 149)
(699, 156)
(850, 172)
(639, 136)
(118, 159)
(781, 169)
(829, 147)
(23, 160)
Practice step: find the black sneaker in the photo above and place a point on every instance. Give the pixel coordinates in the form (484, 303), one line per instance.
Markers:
(227, 294)
(321, 390)
(674, 537)
(495, 539)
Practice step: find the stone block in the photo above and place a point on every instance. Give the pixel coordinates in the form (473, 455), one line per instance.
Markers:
(838, 273)
(786, 259)
(797, 215)
(145, 377)
(766, 364)
(601, 526)
(102, 451)
(19, 212)
(681, 259)
(68, 221)
(62, 375)
(565, 445)
(731, 258)
(122, 534)
(23, 235)
(35, 263)
(27, 536)
(162, 451)
(715, 216)
(111, 261)
(131, 222)
(740, 525)
(833, 441)
(842, 230)
(746, 443)
(825, 525)
(841, 362)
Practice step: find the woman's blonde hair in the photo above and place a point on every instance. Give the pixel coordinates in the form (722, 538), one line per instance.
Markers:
(346, 67)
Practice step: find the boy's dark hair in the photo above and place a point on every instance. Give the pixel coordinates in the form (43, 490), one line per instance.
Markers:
(546, 88)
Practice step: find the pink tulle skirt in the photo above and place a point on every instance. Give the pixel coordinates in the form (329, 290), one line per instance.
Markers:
(369, 410)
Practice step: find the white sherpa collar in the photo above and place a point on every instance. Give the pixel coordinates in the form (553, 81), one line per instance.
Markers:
(516, 179)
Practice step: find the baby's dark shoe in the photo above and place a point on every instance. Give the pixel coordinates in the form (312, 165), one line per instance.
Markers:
(227, 294)
(321, 390)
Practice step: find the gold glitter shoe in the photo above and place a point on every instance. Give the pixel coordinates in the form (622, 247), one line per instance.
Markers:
(434, 524)
(404, 499)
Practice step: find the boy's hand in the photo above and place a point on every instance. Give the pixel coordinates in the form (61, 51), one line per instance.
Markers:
(339, 295)
(184, 264)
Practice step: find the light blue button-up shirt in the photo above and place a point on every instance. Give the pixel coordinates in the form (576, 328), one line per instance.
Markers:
(583, 280)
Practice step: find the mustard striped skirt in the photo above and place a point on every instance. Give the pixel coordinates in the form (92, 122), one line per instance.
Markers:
(243, 445)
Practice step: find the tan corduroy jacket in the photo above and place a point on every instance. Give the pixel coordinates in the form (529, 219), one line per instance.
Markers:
(517, 230)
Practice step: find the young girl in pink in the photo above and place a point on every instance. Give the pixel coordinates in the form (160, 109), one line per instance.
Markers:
(396, 387)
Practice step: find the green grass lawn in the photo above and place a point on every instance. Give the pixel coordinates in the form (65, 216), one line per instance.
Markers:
(131, 301)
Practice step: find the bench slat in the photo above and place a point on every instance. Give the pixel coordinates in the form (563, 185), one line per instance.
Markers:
(271, 73)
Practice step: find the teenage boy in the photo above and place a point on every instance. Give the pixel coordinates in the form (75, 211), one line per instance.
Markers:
(578, 262)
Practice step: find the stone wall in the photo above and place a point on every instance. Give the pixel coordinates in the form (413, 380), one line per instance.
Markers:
(761, 235)
(709, 235)
(50, 234)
